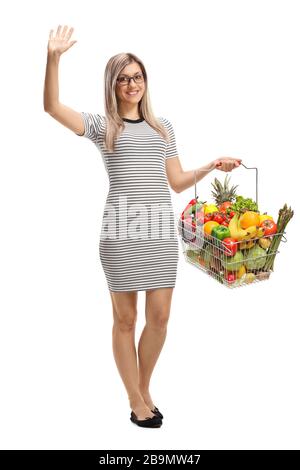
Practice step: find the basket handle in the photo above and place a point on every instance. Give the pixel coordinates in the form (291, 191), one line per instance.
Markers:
(219, 164)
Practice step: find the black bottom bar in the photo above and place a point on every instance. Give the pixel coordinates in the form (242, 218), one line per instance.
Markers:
(133, 459)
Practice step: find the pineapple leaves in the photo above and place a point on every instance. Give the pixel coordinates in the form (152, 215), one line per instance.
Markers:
(223, 192)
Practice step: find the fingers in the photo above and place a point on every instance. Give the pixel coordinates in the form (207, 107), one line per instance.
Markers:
(72, 42)
(62, 32)
(228, 163)
(69, 34)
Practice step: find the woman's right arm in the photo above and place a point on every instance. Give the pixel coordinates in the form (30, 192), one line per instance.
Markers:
(57, 45)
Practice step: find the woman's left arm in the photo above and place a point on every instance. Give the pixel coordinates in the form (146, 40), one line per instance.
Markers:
(180, 180)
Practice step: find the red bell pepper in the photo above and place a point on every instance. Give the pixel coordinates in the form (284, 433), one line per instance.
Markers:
(185, 211)
(231, 246)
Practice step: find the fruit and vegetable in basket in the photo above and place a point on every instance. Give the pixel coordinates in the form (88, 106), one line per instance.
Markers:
(188, 209)
(220, 232)
(284, 216)
(230, 246)
(249, 219)
(233, 263)
(269, 227)
(241, 243)
(230, 277)
(242, 205)
(264, 243)
(208, 226)
(210, 209)
(256, 258)
(223, 195)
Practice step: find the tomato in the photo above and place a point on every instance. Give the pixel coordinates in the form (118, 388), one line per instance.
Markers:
(231, 246)
(230, 213)
(269, 226)
(224, 206)
(226, 221)
(219, 217)
(208, 217)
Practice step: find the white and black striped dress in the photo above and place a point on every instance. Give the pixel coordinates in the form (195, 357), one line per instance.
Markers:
(138, 243)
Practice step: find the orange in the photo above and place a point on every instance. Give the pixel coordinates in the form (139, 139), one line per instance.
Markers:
(249, 218)
(208, 226)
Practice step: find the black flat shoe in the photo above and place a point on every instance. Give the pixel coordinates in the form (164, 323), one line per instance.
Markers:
(157, 412)
(154, 422)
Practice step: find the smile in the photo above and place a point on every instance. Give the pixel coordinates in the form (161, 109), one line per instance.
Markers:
(132, 93)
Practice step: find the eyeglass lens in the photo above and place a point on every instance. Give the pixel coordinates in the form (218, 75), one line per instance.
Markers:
(137, 78)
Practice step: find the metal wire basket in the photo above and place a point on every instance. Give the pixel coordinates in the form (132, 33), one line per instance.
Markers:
(212, 256)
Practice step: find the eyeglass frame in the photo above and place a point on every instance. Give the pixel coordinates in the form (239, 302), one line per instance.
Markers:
(132, 77)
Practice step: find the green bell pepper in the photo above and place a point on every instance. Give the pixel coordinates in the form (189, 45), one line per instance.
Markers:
(220, 232)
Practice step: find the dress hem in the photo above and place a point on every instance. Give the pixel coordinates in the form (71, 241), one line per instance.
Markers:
(141, 289)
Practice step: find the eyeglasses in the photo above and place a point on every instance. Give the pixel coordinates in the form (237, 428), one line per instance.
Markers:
(125, 79)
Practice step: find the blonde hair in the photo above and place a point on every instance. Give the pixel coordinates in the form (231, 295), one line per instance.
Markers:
(114, 122)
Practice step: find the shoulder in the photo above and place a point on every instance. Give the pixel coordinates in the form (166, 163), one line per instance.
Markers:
(166, 122)
(94, 124)
(95, 118)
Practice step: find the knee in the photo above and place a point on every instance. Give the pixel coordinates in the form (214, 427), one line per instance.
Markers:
(158, 320)
(126, 321)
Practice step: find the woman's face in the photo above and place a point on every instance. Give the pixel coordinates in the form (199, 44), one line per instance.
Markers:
(123, 90)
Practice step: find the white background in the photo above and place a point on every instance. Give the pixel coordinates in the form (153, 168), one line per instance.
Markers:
(226, 74)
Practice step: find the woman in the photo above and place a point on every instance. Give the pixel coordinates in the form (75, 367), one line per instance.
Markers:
(140, 156)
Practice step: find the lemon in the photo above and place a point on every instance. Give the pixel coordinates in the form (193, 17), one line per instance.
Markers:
(210, 208)
(241, 272)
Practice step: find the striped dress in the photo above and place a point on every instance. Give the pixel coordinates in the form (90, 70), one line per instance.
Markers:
(138, 244)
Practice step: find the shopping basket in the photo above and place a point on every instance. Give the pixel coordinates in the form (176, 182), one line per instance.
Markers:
(232, 265)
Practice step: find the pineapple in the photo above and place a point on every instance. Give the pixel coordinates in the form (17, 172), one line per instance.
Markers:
(223, 192)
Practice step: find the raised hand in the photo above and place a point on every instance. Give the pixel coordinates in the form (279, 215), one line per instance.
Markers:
(60, 43)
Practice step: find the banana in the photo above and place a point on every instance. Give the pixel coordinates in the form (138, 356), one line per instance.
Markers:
(254, 232)
(247, 244)
(248, 233)
(243, 245)
(260, 232)
(235, 230)
(264, 243)
(251, 232)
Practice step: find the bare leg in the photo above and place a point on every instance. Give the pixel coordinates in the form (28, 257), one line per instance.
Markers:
(158, 305)
(123, 342)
